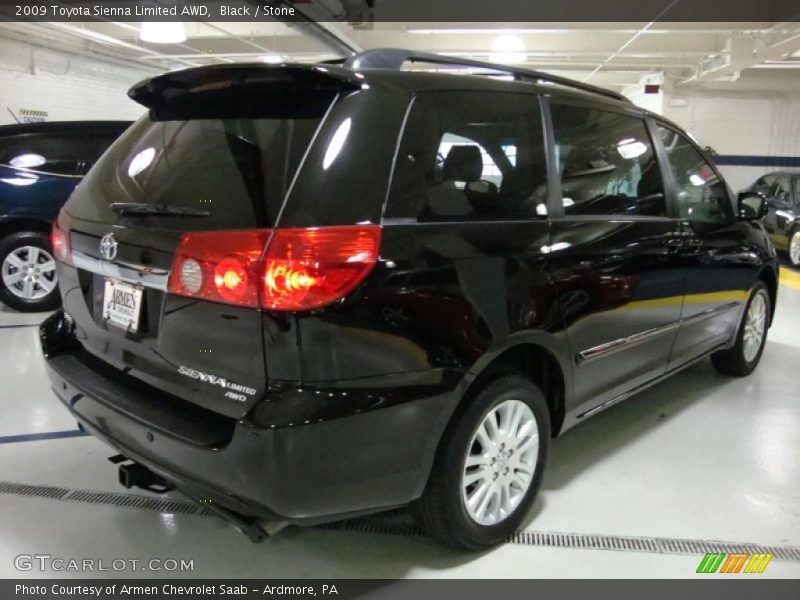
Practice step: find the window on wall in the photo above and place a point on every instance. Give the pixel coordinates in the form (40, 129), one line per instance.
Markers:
(470, 156)
(606, 163)
(701, 195)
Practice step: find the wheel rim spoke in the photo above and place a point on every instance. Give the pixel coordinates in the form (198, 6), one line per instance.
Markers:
(15, 260)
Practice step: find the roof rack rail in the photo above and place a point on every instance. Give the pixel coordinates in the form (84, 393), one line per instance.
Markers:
(394, 58)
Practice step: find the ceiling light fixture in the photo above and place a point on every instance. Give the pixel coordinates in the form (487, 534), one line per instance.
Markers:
(272, 59)
(508, 49)
(163, 33)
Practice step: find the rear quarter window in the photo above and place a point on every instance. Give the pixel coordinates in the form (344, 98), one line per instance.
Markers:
(470, 156)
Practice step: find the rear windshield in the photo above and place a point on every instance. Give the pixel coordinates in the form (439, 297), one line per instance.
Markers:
(232, 173)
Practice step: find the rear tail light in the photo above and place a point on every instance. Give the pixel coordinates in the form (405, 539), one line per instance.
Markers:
(59, 239)
(309, 268)
(302, 268)
(221, 266)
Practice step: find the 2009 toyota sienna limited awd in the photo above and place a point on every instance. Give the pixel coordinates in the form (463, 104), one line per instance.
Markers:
(303, 293)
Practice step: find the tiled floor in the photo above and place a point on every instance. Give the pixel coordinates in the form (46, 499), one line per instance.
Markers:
(699, 456)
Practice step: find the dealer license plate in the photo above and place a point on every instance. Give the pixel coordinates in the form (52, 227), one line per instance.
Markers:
(122, 303)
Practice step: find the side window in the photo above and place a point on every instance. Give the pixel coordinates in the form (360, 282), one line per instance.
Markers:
(606, 163)
(702, 196)
(49, 153)
(470, 156)
(781, 191)
(764, 184)
(797, 191)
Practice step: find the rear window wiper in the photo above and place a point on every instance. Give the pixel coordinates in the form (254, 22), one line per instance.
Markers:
(144, 209)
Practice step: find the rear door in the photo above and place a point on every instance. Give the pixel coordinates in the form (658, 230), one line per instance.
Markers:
(612, 251)
(212, 164)
(720, 267)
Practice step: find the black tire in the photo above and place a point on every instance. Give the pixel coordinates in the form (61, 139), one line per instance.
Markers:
(733, 361)
(8, 245)
(441, 511)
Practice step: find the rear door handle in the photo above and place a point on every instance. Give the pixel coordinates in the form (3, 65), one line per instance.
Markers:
(674, 244)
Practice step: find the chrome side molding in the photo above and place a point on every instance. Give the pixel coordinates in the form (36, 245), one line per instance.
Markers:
(642, 336)
(624, 342)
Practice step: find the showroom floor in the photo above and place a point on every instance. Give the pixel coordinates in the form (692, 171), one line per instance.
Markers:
(700, 457)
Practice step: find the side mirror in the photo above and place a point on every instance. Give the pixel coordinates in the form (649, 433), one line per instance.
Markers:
(752, 206)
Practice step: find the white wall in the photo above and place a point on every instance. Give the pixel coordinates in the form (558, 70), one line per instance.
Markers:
(757, 115)
(66, 86)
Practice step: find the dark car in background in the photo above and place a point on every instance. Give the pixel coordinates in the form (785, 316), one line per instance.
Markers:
(301, 293)
(782, 222)
(40, 165)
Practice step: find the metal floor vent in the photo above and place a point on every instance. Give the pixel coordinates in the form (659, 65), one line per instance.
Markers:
(587, 541)
(651, 545)
(164, 505)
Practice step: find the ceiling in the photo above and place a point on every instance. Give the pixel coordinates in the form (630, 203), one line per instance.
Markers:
(614, 55)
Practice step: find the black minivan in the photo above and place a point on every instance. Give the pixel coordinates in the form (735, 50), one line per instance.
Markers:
(302, 293)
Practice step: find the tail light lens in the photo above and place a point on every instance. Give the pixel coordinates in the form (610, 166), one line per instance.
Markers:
(309, 268)
(221, 266)
(302, 268)
(59, 239)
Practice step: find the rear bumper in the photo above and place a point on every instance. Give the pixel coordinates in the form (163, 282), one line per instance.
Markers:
(306, 473)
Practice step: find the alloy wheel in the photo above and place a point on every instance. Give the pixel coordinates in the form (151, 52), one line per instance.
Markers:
(794, 249)
(29, 272)
(500, 462)
(755, 326)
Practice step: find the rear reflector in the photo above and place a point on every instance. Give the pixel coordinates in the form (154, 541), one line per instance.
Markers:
(302, 268)
(59, 239)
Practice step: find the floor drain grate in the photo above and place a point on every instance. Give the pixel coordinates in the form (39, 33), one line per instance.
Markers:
(133, 501)
(164, 505)
(651, 545)
(26, 489)
(553, 539)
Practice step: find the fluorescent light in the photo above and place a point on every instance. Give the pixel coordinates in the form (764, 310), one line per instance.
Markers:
(508, 49)
(272, 59)
(484, 30)
(163, 33)
(141, 161)
(337, 143)
(27, 161)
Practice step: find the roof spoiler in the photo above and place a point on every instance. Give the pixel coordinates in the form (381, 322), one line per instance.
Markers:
(241, 91)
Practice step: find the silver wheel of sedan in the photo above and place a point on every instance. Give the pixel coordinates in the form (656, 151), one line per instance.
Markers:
(755, 326)
(500, 462)
(794, 248)
(29, 272)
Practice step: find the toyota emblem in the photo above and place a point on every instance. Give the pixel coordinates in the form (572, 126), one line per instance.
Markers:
(108, 247)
